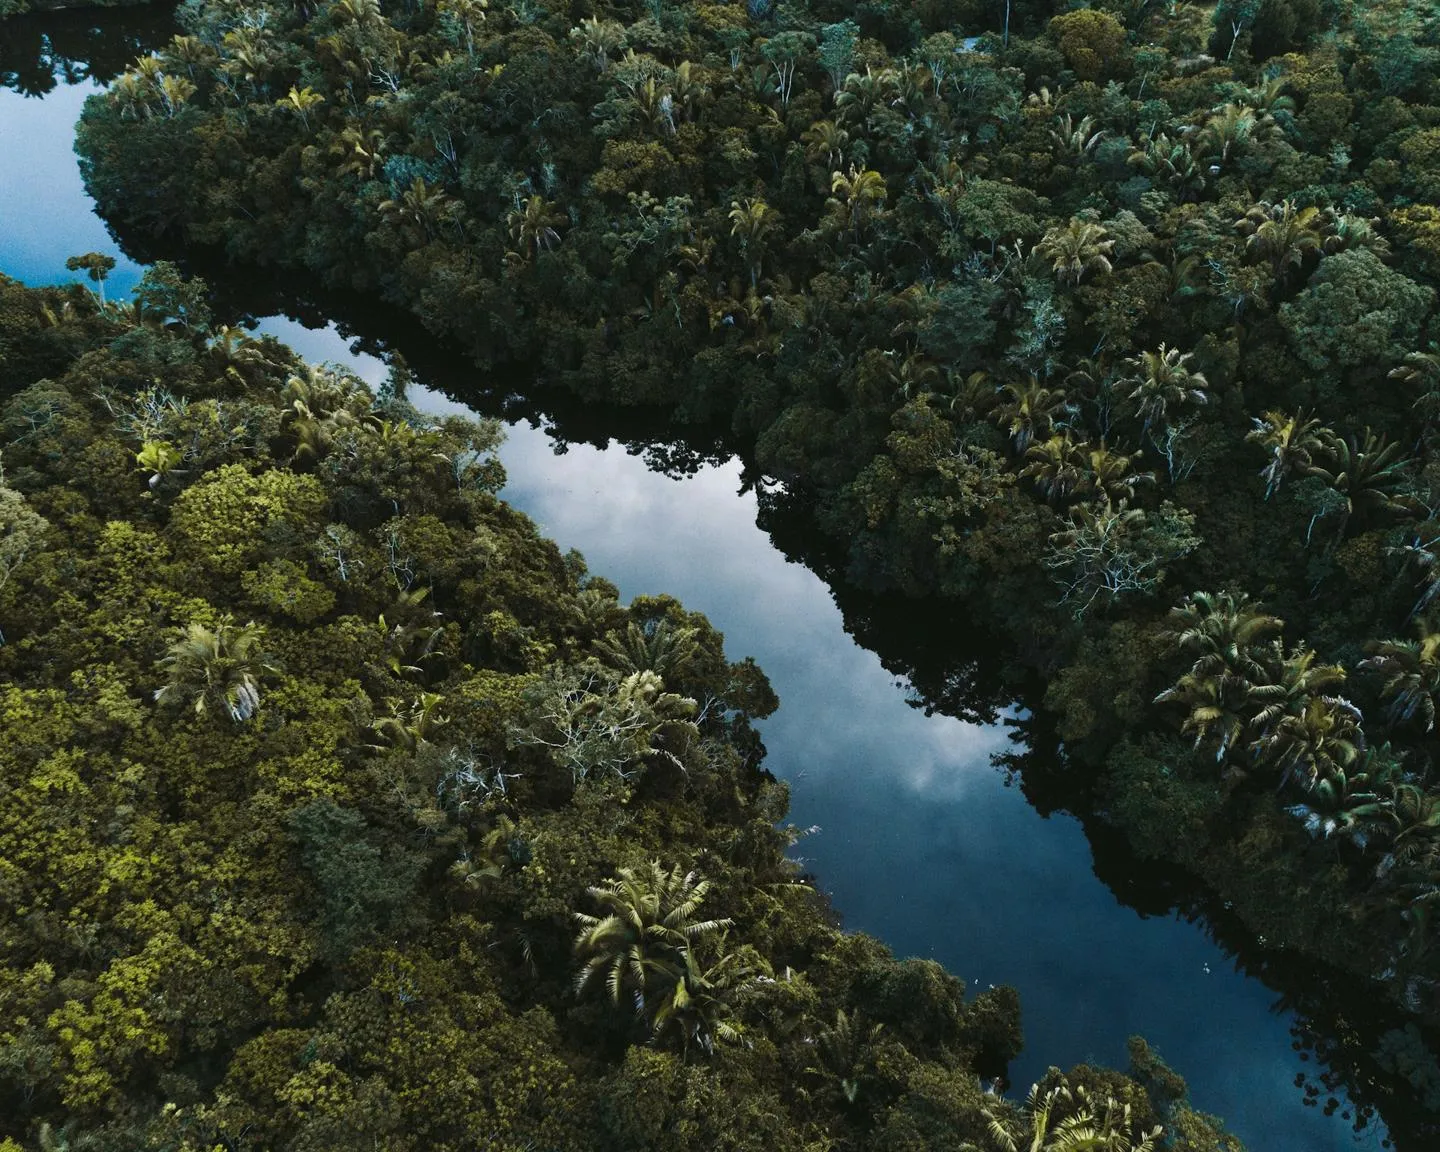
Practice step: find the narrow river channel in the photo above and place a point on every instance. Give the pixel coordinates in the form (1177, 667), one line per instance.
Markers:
(919, 839)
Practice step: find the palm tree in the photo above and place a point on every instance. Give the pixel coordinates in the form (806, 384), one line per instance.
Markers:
(1225, 633)
(1359, 804)
(97, 266)
(1348, 231)
(468, 14)
(1076, 249)
(1076, 141)
(972, 396)
(1029, 410)
(598, 38)
(1169, 163)
(220, 668)
(301, 101)
(859, 95)
(1066, 1119)
(1281, 233)
(1269, 96)
(1161, 381)
(418, 211)
(1370, 477)
(1108, 474)
(1217, 707)
(697, 1009)
(361, 152)
(1321, 739)
(825, 143)
(532, 226)
(410, 725)
(660, 648)
(1294, 679)
(750, 222)
(1056, 465)
(1227, 131)
(855, 195)
(1292, 442)
(1412, 675)
(691, 92)
(648, 920)
(847, 1052)
(323, 403)
(1421, 371)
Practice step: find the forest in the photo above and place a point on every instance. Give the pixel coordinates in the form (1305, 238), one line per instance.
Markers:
(1110, 328)
(341, 809)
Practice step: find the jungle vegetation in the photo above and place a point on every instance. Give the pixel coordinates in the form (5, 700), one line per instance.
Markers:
(340, 809)
(1111, 327)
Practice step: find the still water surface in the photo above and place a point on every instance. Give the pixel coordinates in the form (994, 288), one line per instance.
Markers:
(920, 842)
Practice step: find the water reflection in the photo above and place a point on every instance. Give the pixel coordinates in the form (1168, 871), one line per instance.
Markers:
(920, 843)
(45, 216)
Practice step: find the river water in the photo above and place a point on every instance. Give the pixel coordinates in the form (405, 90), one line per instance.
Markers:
(920, 841)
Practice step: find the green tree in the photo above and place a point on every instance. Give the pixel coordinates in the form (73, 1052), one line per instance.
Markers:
(648, 919)
(1160, 382)
(1077, 249)
(97, 266)
(1293, 443)
(1355, 311)
(220, 668)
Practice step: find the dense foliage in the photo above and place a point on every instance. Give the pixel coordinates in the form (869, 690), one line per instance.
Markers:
(1105, 312)
(20, 7)
(339, 809)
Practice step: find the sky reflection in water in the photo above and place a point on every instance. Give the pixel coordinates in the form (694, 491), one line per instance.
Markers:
(920, 843)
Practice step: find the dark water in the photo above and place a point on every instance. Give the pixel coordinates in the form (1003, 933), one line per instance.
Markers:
(920, 841)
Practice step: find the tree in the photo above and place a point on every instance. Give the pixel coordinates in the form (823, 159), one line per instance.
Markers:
(1354, 803)
(837, 51)
(532, 226)
(1075, 250)
(855, 195)
(750, 222)
(301, 101)
(1065, 1119)
(1294, 680)
(825, 143)
(1371, 477)
(419, 211)
(1411, 672)
(1093, 42)
(597, 39)
(1112, 550)
(166, 296)
(467, 16)
(220, 668)
(97, 265)
(1160, 382)
(698, 1009)
(1281, 234)
(1226, 134)
(1321, 739)
(1056, 465)
(1225, 632)
(22, 533)
(847, 1053)
(648, 921)
(1292, 441)
(1029, 410)
(1355, 312)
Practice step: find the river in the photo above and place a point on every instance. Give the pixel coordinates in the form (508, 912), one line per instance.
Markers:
(920, 840)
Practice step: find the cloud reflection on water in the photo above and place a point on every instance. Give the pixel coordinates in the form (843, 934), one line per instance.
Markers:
(920, 843)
